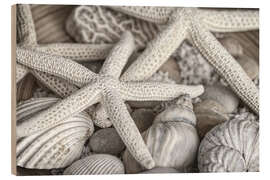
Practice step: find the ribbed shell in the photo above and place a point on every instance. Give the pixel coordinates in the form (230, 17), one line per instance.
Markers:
(96, 24)
(96, 164)
(232, 146)
(56, 147)
(172, 140)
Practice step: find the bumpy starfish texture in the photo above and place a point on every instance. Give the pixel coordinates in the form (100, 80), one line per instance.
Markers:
(27, 37)
(195, 25)
(104, 87)
(96, 25)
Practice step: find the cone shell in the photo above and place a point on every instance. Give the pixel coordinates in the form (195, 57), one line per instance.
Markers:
(172, 140)
(232, 146)
(56, 147)
(96, 164)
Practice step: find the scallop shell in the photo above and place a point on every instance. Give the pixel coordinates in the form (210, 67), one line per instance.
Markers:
(209, 113)
(56, 147)
(232, 146)
(172, 140)
(222, 95)
(96, 164)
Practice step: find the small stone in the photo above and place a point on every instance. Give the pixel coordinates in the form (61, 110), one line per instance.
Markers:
(31, 172)
(249, 65)
(106, 141)
(223, 95)
(232, 45)
(209, 113)
(143, 104)
(160, 170)
(172, 68)
(143, 118)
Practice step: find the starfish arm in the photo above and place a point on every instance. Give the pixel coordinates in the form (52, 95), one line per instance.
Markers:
(55, 65)
(118, 56)
(127, 129)
(58, 85)
(225, 65)
(148, 13)
(78, 52)
(26, 33)
(158, 50)
(154, 91)
(61, 111)
(230, 20)
(21, 72)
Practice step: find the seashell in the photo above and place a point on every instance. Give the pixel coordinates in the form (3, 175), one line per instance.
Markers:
(143, 118)
(222, 95)
(232, 46)
(172, 139)
(209, 113)
(160, 170)
(172, 68)
(98, 25)
(106, 141)
(232, 146)
(96, 164)
(56, 147)
(249, 65)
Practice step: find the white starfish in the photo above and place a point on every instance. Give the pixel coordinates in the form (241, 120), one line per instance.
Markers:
(104, 86)
(82, 52)
(195, 25)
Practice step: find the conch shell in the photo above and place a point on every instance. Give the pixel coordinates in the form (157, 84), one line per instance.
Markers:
(172, 139)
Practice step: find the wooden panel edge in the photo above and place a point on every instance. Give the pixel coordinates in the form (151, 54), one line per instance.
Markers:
(13, 90)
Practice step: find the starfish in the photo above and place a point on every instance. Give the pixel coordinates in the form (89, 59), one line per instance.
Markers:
(195, 25)
(105, 87)
(26, 37)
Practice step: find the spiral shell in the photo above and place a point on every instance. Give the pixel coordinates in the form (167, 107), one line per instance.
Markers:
(172, 139)
(56, 147)
(232, 146)
(96, 164)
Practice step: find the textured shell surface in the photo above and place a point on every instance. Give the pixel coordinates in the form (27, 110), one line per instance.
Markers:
(232, 146)
(96, 164)
(222, 95)
(97, 24)
(172, 140)
(56, 147)
(209, 113)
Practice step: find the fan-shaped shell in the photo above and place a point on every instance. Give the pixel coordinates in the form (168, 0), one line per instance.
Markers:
(232, 146)
(96, 164)
(56, 147)
(172, 140)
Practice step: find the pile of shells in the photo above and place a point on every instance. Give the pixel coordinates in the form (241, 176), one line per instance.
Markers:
(212, 133)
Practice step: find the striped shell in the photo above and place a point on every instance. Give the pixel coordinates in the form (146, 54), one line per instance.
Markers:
(56, 147)
(172, 139)
(232, 146)
(97, 25)
(96, 164)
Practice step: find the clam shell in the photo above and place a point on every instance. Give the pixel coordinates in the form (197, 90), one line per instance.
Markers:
(209, 113)
(249, 65)
(222, 95)
(56, 147)
(232, 146)
(160, 170)
(172, 140)
(96, 164)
